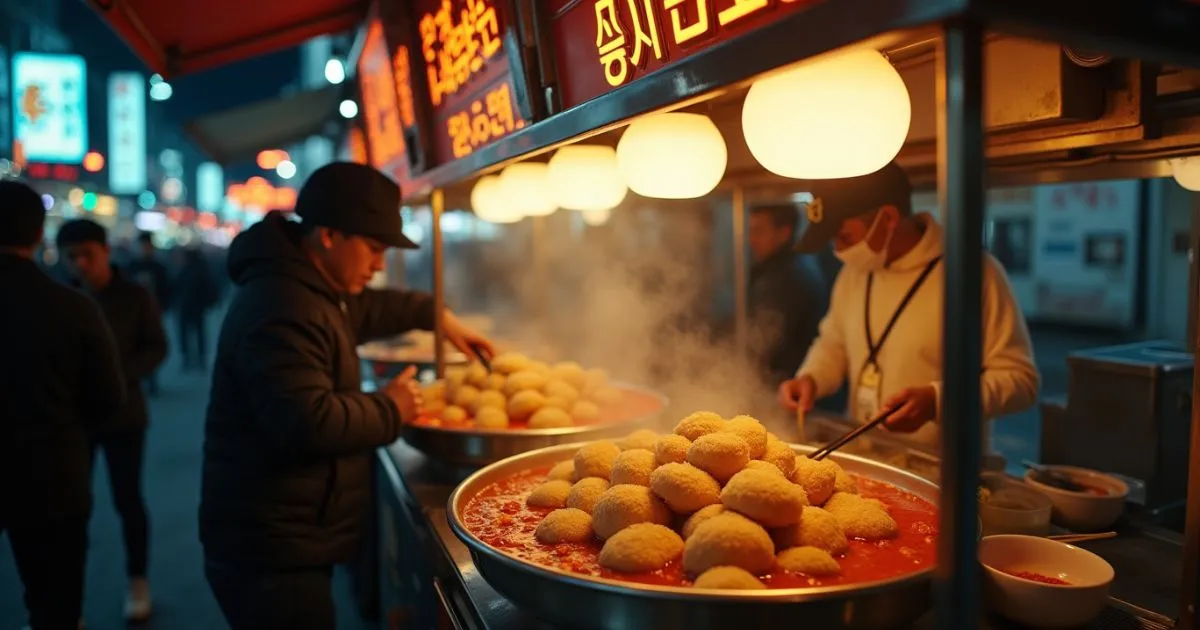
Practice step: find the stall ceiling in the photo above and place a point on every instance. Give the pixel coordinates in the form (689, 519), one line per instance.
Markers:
(238, 134)
(176, 37)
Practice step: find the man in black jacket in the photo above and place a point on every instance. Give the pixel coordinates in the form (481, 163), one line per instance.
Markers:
(289, 434)
(137, 325)
(59, 379)
(149, 272)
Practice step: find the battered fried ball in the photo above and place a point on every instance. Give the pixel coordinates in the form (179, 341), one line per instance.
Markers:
(818, 478)
(817, 528)
(701, 515)
(728, 578)
(861, 518)
(495, 382)
(641, 548)
(489, 398)
(758, 464)
(729, 540)
(721, 455)
(642, 438)
(476, 375)
(563, 470)
(565, 525)
(585, 411)
(625, 505)
(596, 459)
(809, 561)
(549, 418)
(606, 395)
(751, 431)
(560, 389)
(466, 396)
(594, 379)
(633, 466)
(524, 404)
(552, 494)
(764, 497)
(586, 492)
(558, 403)
(671, 448)
(684, 487)
(843, 481)
(571, 372)
(699, 423)
(454, 380)
(491, 418)
(523, 381)
(454, 413)
(509, 363)
(781, 455)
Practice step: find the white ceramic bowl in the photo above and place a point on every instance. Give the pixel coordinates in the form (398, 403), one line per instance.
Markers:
(1081, 511)
(1036, 603)
(1013, 508)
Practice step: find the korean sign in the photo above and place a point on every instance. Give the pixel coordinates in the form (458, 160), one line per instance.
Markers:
(381, 114)
(127, 133)
(49, 103)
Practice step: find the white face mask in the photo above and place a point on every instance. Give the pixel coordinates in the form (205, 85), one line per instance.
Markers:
(861, 256)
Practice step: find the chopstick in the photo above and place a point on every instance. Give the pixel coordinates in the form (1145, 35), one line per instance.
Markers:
(477, 350)
(824, 451)
(1078, 538)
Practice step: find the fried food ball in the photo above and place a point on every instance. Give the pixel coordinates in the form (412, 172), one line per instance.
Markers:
(758, 464)
(596, 459)
(699, 423)
(671, 448)
(625, 505)
(563, 470)
(495, 382)
(564, 525)
(765, 497)
(818, 478)
(751, 431)
(642, 438)
(701, 515)
(491, 418)
(551, 494)
(475, 375)
(606, 395)
(586, 492)
(781, 455)
(571, 372)
(525, 380)
(721, 455)
(861, 518)
(729, 540)
(640, 548)
(549, 418)
(684, 487)
(816, 528)
(633, 466)
(809, 561)
(454, 413)
(843, 481)
(539, 366)
(728, 578)
(466, 396)
(488, 398)
(559, 403)
(585, 411)
(524, 404)
(453, 381)
(560, 389)
(594, 379)
(509, 363)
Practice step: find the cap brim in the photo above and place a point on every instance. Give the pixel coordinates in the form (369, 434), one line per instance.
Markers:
(816, 237)
(399, 241)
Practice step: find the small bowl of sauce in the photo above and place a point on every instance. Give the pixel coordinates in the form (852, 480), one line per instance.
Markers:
(1043, 583)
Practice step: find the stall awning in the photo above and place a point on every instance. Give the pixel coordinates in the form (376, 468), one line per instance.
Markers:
(176, 37)
(240, 133)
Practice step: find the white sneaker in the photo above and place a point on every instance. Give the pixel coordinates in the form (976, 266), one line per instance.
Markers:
(137, 603)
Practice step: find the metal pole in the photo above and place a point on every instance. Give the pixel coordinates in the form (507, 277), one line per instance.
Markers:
(1189, 592)
(961, 172)
(437, 204)
(739, 271)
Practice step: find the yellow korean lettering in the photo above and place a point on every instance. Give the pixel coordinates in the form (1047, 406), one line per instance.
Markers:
(499, 109)
(487, 26)
(458, 127)
(686, 32)
(740, 9)
(644, 34)
(610, 43)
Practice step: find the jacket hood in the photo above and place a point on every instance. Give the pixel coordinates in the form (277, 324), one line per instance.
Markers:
(929, 247)
(271, 248)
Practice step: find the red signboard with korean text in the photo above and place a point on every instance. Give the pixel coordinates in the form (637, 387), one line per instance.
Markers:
(380, 111)
(601, 45)
(467, 74)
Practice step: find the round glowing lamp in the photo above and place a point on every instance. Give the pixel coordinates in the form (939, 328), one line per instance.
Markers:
(1187, 172)
(525, 188)
(585, 177)
(672, 156)
(596, 217)
(839, 115)
(488, 202)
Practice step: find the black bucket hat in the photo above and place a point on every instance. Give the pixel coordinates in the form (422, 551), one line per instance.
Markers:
(355, 199)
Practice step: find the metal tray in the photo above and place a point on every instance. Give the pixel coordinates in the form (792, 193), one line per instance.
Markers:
(480, 447)
(576, 601)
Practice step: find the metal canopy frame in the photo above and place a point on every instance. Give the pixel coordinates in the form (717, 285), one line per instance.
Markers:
(1162, 31)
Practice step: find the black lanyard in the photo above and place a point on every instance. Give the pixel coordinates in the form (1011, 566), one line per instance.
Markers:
(871, 344)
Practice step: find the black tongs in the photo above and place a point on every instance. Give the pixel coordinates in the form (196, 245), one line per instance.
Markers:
(477, 350)
(853, 434)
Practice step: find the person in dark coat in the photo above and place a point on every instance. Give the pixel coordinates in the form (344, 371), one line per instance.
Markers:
(196, 293)
(289, 433)
(147, 270)
(133, 315)
(60, 379)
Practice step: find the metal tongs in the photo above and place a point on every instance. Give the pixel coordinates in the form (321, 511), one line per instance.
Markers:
(485, 360)
(850, 436)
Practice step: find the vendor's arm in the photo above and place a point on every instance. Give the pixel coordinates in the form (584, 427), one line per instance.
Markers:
(826, 361)
(382, 313)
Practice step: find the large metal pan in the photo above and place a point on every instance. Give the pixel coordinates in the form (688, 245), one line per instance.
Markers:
(571, 600)
(480, 447)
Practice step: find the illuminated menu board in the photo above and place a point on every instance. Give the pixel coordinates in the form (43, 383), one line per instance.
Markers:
(604, 44)
(382, 123)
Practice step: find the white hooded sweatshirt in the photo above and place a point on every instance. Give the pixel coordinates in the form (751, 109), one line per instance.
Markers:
(911, 356)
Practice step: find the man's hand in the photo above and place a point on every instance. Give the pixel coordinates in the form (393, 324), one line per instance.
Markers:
(465, 339)
(405, 393)
(914, 407)
(798, 393)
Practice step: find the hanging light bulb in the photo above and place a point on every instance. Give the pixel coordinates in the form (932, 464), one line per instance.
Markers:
(1187, 172)
(672, 156)
(487, 200)
(586, 177)
(843, 114)
(525, 186)
(596, 217)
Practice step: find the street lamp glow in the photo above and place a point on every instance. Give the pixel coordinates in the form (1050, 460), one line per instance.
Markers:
(285, 169)
(348, 109)
(160, 91)
(335, 72)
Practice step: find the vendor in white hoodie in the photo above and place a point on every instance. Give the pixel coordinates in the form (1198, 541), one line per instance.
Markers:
(883, 330)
